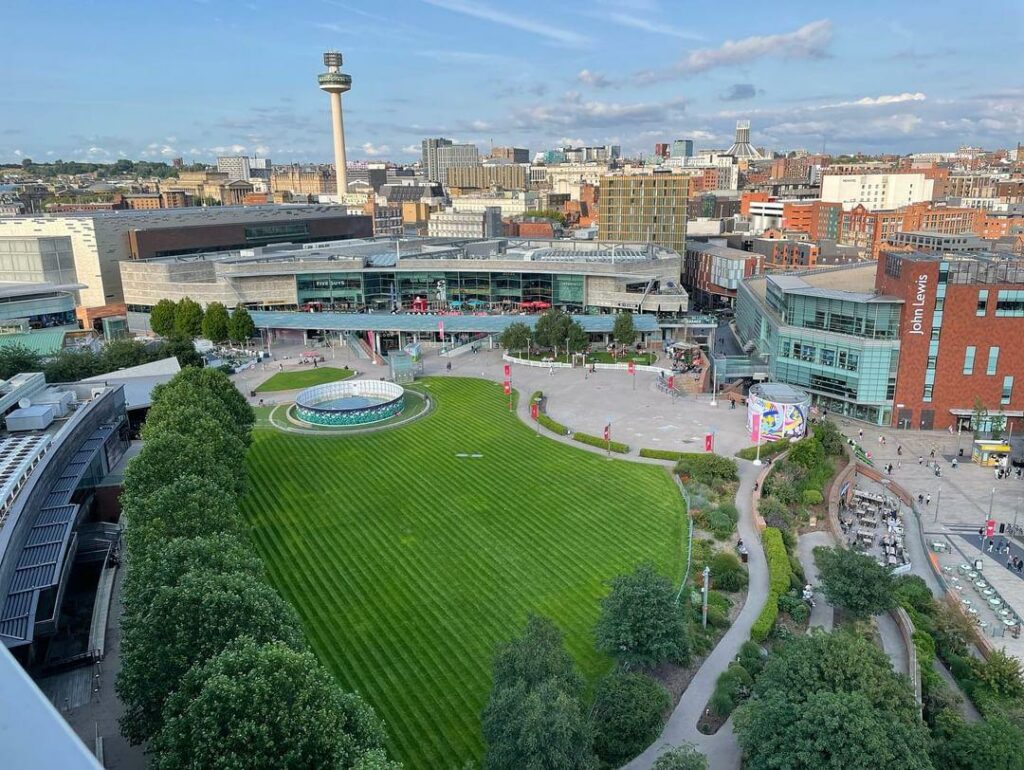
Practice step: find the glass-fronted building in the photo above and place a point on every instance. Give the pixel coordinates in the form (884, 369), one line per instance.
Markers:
(828, 332)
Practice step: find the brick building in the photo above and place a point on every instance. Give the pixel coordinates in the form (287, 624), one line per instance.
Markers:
(960, 316)
(712, 272)
(818, 219)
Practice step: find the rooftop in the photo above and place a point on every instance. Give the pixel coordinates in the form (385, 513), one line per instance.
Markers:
(854, 283)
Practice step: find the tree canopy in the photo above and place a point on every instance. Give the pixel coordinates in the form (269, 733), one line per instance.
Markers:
(855, 581)
(683, 757)
(18, 358)
(161, 317)
(215, 322)
(624, 329)
(516, 336)
(188, 318)
(640, 623)
(626, 715)
(552, 328)
(241, 327)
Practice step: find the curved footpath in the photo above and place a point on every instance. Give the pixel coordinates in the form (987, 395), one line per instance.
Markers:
(822, 613)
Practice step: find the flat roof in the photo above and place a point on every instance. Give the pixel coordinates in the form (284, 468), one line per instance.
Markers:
(427, 323)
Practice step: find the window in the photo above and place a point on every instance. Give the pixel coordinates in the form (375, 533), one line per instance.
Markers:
(982, 302)
(1007, 389)
(927, 393)
(993, 360)
(1010, 304)
(969, 360)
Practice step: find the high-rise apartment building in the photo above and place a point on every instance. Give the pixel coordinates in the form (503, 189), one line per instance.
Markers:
(428, 156)
(455, 156)
(662, 149)
(644, 209)
(235, 166)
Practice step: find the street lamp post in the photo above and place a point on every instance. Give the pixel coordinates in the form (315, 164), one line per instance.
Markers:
(938, 498)
(704, 609)
(714, 385)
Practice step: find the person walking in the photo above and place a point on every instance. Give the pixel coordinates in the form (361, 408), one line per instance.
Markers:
(899, 463)
(860, 434)
(920, 460)
(899, 449)
(954, 463)
(927, 499)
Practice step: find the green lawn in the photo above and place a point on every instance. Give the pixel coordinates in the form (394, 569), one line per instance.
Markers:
(408, 564)
(305, 378)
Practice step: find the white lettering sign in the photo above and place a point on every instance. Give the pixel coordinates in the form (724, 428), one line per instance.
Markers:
(917, 306)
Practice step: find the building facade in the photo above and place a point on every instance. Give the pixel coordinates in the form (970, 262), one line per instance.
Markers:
(455, 156)
(507, 176)
(712, 273)
(303, 180)
(876, 191)
(644, 209)
(511, 154)
(466, 224)
(428, 157)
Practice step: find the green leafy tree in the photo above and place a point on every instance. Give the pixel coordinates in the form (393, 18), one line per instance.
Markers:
(183, 348)
(161, 317)
(215, 322)
(72, 365)
(17, 358)
(122, 354)
(515, 337)
(831, 701)
(377, 759)
(807, 454)
(214, 383)
(640, 624)
(980, 415)
(830, 438)
(855, 581)
(195, 422)
(552, 328)
(264, 707)
(578, 340)
(683, 757)
(188, 318)
(1000, 673)
(533, 717)
(994, 743)
(185, 625)
(624, 331)
(626, 715)
(168, 457)
(241, 327)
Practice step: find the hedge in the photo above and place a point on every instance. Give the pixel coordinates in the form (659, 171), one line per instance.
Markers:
(586, 438)
(710, 469)
(551, 425)
(769, 449)
(662, 454)
(778, 582)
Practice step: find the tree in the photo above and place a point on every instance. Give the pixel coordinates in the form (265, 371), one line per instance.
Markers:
(188, 318)
(515, 337)
(831, 701)
(626, 715)
(185, 625)
(121, 354)
(1000, 674)
(196, 423)
(855, 581)
(72, 365)
(830, 438)
(214, 383)
(578, 339)
(533, 716)
(18, 358)
(994, 743)
(682, 757)
(980, 416)
(215, 322)
(161, 317)
(241, 327)
(182, 348)
(640, 623)
(169, 457)
(552, 328)
(624, 330)
(262, 707)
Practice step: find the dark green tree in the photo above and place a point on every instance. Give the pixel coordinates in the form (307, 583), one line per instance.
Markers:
(169, 457)
(533, 717)
(995, 743)
(185, 625)
(264, 707)
(855, 581)
(18, 358)
(624, 330)
(182, 348)
(215, 383)
(122, 354)
(831, 701)
(830, 438)
(578, 340)
(552, 328)
(640, 624)
(1000, 674)
(188, 318)
(215, 322)
(161, 317)
(515, 337)
(683, 757)
(626, 715)
(72, 365)
(241, 327)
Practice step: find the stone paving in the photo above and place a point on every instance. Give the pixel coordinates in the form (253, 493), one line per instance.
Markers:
(822, 613)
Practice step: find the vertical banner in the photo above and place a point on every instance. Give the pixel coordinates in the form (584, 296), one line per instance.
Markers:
(631, 367)
(990, 527)
(508, 388)
(608, 432)
(440, 328)
(755, 428)
(533, 410)
(671, 382)
(508, 371)
(709, 442)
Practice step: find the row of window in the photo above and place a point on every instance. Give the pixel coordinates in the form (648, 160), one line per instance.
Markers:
(843, 359)
(993, 360)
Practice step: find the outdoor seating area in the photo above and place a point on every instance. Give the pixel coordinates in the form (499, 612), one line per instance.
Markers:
(873, 524)
(980, 600)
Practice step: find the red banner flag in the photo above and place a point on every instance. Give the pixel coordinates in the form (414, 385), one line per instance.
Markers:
(533, 410)
(607, 432)
(755, 427)
(508, 388)
(990, 527)
(508, 371)
(709, 442)
(631, 367)
(671, 382)
(440, 328)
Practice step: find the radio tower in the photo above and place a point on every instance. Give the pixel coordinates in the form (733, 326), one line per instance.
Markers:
(335, 82)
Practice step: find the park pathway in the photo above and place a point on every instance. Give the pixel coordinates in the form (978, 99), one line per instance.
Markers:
(822, 613)
(721, 749)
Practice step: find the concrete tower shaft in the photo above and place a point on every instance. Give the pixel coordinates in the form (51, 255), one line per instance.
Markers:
(335, 83)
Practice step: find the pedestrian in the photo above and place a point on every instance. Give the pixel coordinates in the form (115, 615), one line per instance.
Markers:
(991, 545)
(448, 366)
(920, 460)
(899, 449)
(899, 463)
(954, 463)
(880, 441)
(860, 434)
(1020, 566)
(927, 499)
(932, 454)
(1009, 562)
(883, 440)
(551, 370)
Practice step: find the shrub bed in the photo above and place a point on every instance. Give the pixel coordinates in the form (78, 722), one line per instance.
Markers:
(710, 469)
(770, 449)
(552, 425)
(661, 454)
(778, 582)
(598, 441)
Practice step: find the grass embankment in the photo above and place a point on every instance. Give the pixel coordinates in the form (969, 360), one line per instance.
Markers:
(305, 378)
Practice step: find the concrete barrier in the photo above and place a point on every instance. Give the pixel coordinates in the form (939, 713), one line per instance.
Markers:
(906, 627)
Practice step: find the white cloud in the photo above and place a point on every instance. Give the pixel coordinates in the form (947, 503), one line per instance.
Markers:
(551, 32)
(649, 25)
(375, 149)
(97, 152)
(261, 149)
(875, 101)
(412, 149)
(575, 112)
(592, 79)
(808, 42)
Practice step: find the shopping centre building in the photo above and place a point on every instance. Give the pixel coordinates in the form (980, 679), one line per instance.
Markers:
(917, 340)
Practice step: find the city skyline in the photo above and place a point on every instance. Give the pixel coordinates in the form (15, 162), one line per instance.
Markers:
(240, 78)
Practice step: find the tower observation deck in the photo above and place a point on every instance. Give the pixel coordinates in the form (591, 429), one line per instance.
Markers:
(335, 83)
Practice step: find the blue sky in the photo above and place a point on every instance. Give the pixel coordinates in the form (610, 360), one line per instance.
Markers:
(101, 79)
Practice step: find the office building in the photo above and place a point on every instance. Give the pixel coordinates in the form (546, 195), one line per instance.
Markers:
(235, 166)
(644, 209)
(510, 204)
(511, 154)
(712, 273)
(466, 224)
(682, 148)
(455, 156)
(260, 168)
(662, 150)
(924, 240)
(428, 157)
(876, 191)
(506, 177)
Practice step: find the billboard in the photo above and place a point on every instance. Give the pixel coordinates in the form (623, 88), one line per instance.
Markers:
(778, 419)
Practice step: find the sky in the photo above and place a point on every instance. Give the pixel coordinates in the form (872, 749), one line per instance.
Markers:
(148, 79)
